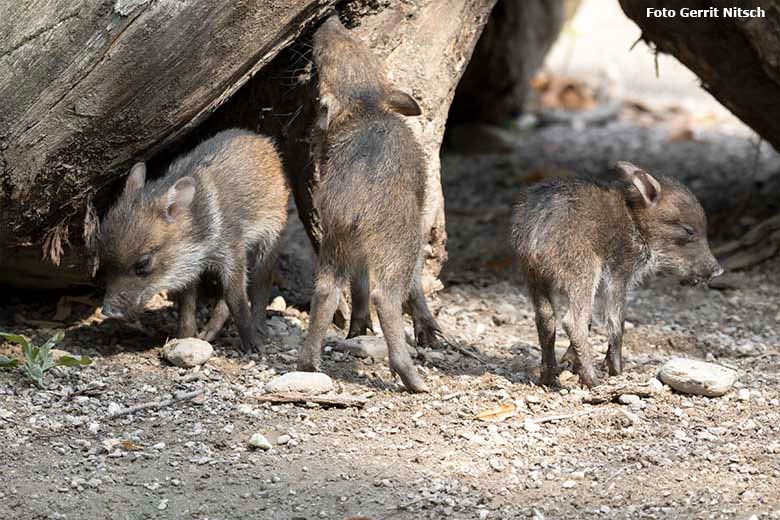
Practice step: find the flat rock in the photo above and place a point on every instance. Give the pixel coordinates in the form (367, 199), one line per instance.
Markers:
(187, 352)
(303, 382)
(697, 377)
(367, 347)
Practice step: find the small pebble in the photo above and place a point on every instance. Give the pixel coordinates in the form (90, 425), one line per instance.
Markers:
(628, 399)
(187, 352)
(259, 441)
(278, 304)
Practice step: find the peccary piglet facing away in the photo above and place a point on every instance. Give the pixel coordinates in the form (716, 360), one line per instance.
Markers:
(220, 208)
(369, 198)
(576, 237)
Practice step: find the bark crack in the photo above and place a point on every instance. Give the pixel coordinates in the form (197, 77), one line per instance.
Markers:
(37, 34)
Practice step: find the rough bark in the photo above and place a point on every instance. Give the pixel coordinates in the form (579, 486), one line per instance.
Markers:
(426, 45)
(87, 89)
(513, 46)
(737, 61)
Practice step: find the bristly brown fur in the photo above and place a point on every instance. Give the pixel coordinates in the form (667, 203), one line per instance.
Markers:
(225, 199)
(369, 198)
(577, 236)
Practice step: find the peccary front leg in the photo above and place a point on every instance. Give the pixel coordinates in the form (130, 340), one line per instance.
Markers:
(360, 317)
(261, 283)
(614, 311)
(219, 315)
(389, 308)
(188, 302)
(545, 327)
(234, 284)
(325, 301)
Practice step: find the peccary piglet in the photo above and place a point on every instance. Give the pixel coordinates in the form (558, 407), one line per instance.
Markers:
(575, 237)
(220, 208)
(369, 198)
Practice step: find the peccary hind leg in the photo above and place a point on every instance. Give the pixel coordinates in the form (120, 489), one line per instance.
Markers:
(545, 327)
(426, 330)
(219, 315)
(615, 319)
(325, 300)
(260, 285)
(360, 317)
(389, 309)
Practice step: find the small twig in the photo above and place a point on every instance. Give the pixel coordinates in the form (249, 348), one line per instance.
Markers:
(177, 396)
(326, 400)
(88, 390)
(553, 418)
(451, 343)
(641, 37)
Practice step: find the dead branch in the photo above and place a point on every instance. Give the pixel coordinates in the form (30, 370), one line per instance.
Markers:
(177, 396)
(608, 393)
(324, 400)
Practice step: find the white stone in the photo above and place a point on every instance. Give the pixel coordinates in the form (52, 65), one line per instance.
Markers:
(743, 394)
(258, 440)
(187, 352)
(531, 426)
(568, 484)
(628, 399)
(278, 304)
(303, 382)
(655, 385)
(283, 439)
(367, 347)
(697, 377)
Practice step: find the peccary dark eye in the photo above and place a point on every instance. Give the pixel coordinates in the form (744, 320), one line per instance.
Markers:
(143, 267)
(690, 231)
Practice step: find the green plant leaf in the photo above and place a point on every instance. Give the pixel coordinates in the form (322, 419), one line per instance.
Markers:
(35, 372)
(53, 341)
(6, 362)
(15, 338)
(74, 361)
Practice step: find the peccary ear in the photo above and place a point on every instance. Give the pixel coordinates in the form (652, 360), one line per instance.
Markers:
(402, 103)
(329, 110)
(137, 178)
(179, 198)
(649, 188)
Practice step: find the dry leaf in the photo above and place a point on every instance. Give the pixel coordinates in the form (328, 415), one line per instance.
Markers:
(131, 446)
(498, 414)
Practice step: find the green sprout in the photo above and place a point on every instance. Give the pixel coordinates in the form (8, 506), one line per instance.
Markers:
(38, 359)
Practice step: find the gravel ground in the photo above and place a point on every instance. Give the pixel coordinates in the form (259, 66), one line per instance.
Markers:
(405, 456)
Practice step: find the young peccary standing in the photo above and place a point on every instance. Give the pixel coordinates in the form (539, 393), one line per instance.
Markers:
(369, 198)
(220, 208)
(577, 236)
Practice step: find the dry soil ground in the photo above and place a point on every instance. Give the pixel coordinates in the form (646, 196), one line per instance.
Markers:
(408, 456)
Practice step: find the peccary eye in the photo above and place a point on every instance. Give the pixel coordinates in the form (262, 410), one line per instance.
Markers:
(690, 231)
(143, 267)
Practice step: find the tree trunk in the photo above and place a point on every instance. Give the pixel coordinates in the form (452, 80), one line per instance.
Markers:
(513, 46)
(737, 61)
(86, 90)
